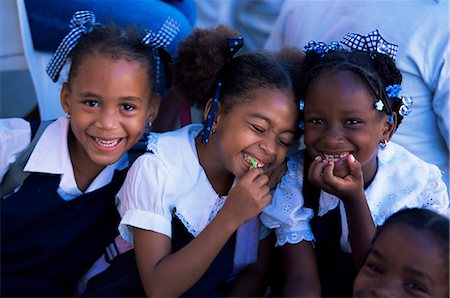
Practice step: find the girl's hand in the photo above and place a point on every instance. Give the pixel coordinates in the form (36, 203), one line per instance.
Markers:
(276, 174)
(350, 186)
(248, 197)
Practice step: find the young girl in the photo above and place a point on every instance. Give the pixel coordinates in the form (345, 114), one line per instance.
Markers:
(342, 184)
(55, 224)
(190, 205)
(408, 257)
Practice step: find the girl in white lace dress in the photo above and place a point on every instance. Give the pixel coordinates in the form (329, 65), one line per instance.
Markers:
(349, 178)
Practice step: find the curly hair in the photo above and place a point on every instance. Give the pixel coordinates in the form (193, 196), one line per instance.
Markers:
(200, 59)
(115, 43)
(377, 71)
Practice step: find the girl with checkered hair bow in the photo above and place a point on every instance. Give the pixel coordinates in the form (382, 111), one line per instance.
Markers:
(59, 181)
(349, 178)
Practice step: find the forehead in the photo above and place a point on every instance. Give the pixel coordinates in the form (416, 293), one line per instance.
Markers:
(273, 105)
(407, 247)
(338, 88)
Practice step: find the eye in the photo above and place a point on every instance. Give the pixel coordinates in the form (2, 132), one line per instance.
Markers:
(374, 268)
(128, 107)
(415, 286)
(257, 128)
(284, 143)
(91, 103)
(352, 122)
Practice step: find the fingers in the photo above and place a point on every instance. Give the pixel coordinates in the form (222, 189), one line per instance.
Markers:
(354, 166)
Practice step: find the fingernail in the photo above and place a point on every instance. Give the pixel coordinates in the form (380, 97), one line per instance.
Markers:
(317, 157)
(351, 158)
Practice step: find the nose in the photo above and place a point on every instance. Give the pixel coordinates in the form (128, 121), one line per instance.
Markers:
(332, 134)
(269, 145)
(107, 120)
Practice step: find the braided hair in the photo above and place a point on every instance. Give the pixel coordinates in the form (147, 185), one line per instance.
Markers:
(376, 70)
(115, 43)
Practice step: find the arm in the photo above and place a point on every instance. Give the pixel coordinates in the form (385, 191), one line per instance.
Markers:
(166, 274)
(300, 270)
(350, 189)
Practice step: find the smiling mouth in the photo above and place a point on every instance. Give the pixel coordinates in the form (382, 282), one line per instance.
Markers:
(259, 164)
(107, 143)
(335, 157)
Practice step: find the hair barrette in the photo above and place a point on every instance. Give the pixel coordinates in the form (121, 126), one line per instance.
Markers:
(321, 48)
(406, 107)
(393, 90)
(379, 105)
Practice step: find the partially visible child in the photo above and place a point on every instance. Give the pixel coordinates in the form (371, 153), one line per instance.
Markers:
(190, 205)
(408, 257)
(57, 221)
(342, 186)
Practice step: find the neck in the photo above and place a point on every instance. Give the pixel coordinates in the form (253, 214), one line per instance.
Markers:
(219, 177)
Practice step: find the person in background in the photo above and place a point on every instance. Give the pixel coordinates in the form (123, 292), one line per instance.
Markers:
(408, 257)
(59, 212)
(419, 27)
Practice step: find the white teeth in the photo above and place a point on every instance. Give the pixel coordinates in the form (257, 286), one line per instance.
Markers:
(335, 157)
(259, 165)
(106, 143)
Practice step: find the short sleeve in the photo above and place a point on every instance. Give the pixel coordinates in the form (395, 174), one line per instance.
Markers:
(146, 198)
(435, 194)
(286, 213)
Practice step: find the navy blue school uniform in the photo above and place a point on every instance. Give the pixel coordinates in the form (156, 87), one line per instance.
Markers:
(51, 232)
(167, 191)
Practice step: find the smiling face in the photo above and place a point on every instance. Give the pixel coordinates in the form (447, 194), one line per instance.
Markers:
(109, 102)
(262, 129)
(403, 262)
(340, 119)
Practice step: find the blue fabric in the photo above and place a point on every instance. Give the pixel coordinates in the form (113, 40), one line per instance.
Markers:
(47, 243)
(49, 19)
(122, 279)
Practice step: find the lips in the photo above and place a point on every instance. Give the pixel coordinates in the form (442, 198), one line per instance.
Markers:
(259, 163)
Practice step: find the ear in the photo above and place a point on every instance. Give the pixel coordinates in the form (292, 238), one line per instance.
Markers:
(389, 129)
(218, 112)
(65, 97)
(153, 108)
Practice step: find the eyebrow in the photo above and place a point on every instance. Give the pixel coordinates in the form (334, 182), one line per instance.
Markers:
(269, 121)
(90, 94)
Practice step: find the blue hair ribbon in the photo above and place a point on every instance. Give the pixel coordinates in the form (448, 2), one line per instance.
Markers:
(234, 44)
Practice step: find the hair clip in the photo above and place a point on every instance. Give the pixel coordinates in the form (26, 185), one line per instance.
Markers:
(321, 48)
(390, 119)
(166, 34)
(379, 105)
(393, 90)
(406, 107)
(372, 43)
(234, 44)
(301, 105)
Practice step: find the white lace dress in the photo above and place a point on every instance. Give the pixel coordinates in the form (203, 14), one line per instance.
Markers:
(402, 181)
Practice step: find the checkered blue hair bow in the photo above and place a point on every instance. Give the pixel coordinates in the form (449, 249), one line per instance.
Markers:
(234, 44)
(163, 38)
(82, 22)
(321, 48)
(372, 42)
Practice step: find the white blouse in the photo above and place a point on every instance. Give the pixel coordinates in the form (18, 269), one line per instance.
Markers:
(50, 155)
(402, 181)
(168, 180)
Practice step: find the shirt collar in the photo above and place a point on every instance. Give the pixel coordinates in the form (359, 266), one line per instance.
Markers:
(53, 142)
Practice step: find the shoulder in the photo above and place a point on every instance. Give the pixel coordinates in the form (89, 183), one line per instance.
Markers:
(15, 136)
(405, 181)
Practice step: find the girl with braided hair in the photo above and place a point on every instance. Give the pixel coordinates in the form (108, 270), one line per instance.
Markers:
(348, 180)
(59, 179)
